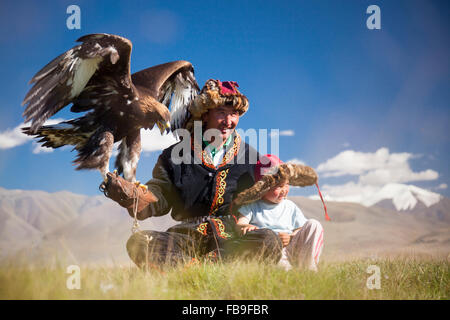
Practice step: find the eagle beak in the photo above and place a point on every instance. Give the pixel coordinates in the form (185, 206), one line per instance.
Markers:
(163, 126)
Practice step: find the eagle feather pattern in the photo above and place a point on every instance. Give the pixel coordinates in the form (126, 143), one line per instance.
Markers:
(64, 78)
(95, 76)
(295, 174)
(172, 84)
(74, 132)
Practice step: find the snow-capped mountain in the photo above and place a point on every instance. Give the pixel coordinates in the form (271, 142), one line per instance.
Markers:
(404, 197)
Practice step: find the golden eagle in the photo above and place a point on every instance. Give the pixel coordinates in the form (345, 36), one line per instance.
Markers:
(95, 77)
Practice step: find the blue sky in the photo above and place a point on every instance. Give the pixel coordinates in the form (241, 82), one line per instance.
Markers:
(339, 92)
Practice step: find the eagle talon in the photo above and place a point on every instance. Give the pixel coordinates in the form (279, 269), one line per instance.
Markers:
(102, 187)
(138, 184)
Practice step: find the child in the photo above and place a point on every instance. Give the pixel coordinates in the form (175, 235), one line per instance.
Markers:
(302, 239)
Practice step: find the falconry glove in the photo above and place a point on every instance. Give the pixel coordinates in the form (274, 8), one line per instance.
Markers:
(127, 194)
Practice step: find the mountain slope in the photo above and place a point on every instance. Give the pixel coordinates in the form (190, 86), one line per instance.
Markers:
(356, 230)
(44, 227)
(39, 225)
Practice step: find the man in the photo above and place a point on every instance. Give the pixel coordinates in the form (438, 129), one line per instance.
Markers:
(199, 193)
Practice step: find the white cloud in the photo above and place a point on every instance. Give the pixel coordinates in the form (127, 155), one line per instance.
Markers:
(38, 148)
(115, 151)
(442, 186)
(348, 192)
(351, 162)
(400, 174)
(287, 133)
(296, 161)
(374, 172)
(11, 138)
(152, 140)
(277, 132)
(376, 168)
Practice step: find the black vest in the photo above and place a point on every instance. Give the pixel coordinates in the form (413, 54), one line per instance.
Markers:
(206, 190)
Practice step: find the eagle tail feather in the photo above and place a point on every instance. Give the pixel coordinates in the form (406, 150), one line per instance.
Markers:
(96, 152)
(74, 132)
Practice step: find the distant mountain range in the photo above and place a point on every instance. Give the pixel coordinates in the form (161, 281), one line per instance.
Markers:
(402, 197)
(47, 227)
(38, 226)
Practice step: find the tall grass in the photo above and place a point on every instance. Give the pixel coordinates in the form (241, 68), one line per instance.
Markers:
(401, 278)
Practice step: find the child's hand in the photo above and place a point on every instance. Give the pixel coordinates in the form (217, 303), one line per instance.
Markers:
(248, 227)
(285, 238)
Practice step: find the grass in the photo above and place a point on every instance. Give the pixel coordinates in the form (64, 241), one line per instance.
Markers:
(401, 278)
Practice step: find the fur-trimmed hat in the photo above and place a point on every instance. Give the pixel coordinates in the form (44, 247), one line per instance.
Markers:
(216, 93)
(270, 176)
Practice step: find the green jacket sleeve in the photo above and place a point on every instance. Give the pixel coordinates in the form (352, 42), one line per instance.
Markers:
(162, 187)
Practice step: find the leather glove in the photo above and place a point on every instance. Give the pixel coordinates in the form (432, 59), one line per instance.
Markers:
(126, 193)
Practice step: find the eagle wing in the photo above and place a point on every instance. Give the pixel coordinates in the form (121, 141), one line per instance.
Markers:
(172, 84)
(89, 74)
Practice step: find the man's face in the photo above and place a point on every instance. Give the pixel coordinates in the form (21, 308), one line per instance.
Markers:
(224, 119)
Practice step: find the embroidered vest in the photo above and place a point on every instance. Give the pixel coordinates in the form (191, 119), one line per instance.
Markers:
(207, 190)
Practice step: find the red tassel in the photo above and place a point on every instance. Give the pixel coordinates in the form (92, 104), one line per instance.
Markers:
(324, 206)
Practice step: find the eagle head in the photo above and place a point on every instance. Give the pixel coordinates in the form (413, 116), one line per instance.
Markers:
(164, 126)
(163, 119)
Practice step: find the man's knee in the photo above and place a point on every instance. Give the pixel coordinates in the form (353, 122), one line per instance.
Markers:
(269, 236)
(260, 243)
(136, 246)
(141, 246)
(263, 236)
(132, 241)
(271, 244)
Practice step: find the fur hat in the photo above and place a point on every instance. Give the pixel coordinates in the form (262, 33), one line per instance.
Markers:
(272, 175)
(214, 94)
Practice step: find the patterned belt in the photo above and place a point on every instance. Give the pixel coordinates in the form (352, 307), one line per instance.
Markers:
(202, 219)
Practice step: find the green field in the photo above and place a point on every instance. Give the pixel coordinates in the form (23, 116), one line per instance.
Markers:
(400, 278)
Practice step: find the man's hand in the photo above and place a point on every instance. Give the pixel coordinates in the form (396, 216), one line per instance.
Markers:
(285, 238)
(126, 193)
(247, 227)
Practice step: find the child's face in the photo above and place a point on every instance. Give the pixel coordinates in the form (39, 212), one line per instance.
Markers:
(278, 193)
